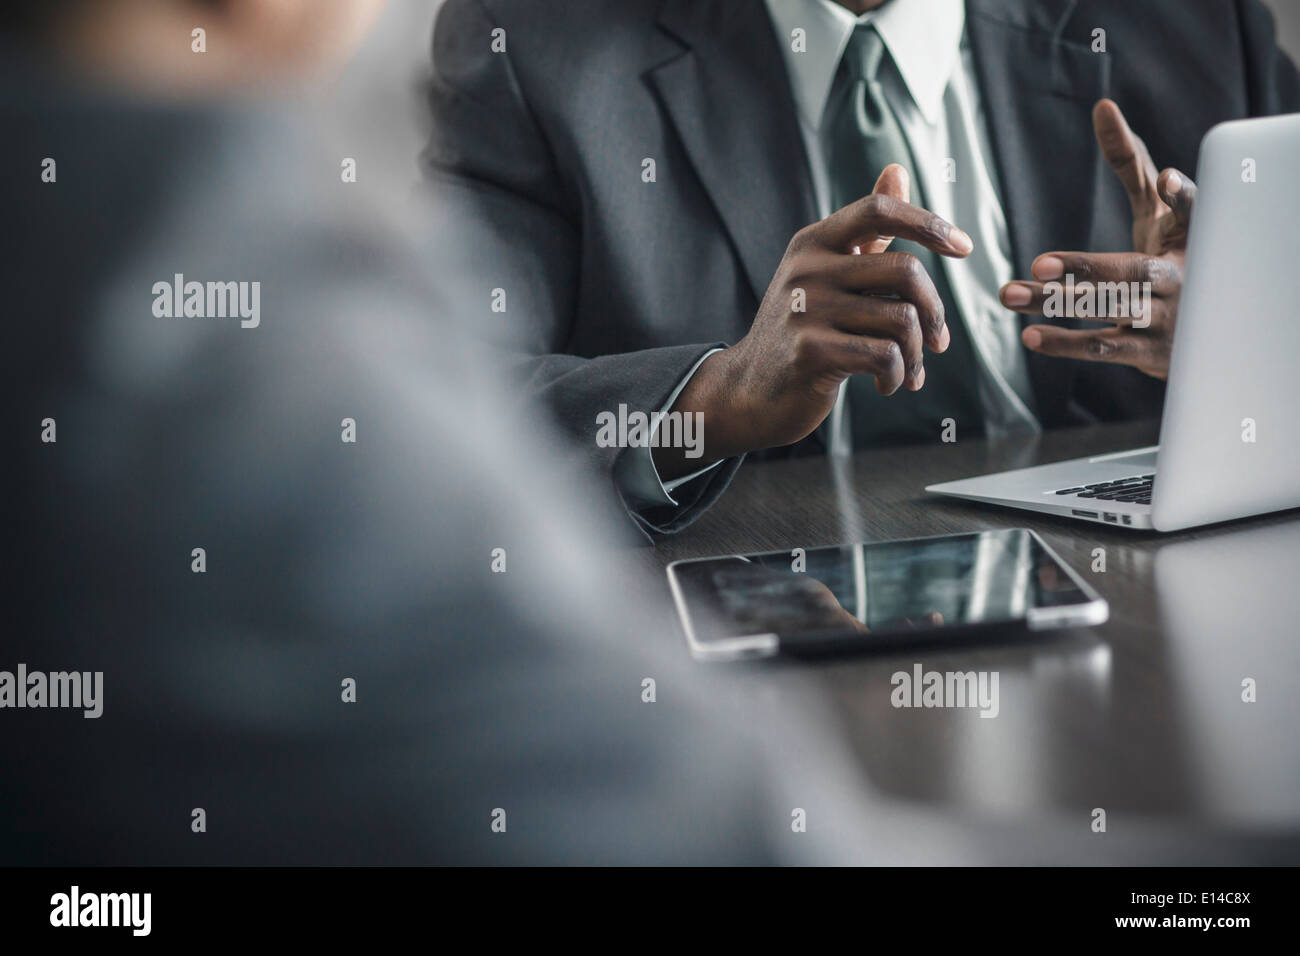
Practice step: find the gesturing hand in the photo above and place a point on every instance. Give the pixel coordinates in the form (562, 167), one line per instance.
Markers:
(839, 304)
(1162, 205)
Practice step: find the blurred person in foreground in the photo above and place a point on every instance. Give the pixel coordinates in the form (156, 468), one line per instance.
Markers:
(256, 481)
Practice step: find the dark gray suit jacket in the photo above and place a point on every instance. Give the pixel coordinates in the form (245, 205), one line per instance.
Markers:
(617, 286)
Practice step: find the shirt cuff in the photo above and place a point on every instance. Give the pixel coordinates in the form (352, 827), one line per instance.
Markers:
(636, 475)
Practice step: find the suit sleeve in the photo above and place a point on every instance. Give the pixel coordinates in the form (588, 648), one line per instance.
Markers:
(507, 232)
(1272, 81)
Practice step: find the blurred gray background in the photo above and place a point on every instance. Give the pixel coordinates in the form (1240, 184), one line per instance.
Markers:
(381, 96)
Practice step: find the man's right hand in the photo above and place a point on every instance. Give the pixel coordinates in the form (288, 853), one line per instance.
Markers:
(865, 311)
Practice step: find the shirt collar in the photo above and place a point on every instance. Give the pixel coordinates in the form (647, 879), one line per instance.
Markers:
(922, 36)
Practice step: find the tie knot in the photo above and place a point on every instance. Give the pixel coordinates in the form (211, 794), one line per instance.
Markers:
(864, 53)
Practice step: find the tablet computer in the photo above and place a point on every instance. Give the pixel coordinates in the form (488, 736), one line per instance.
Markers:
(883, 594)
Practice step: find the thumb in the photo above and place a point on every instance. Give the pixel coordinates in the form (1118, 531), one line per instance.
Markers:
(1179, 194)
(1127, 155)
(893, 181)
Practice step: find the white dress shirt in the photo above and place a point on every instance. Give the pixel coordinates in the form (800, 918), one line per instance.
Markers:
(935, 97)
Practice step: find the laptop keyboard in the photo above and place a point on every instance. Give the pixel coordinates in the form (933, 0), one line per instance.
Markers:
(1136, 489)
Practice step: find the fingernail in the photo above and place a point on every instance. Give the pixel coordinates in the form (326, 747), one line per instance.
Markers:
(960, 241)
(1175, 184)
(1048, 267)
(945, 338)
(1032, 338)
(1016, 295)
(918, 381)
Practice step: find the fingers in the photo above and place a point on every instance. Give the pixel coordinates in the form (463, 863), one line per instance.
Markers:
(879, 216)
(1179, 193)
(898, 274)
(1081, 268)
(1109, 287)
(1113, 302)
(864, 355)
(1118, 346)
(1027, 298)
(893, 319)
(821, 596)
(1127, 156)
(882, 308)
(894, 181)
(1096, 345)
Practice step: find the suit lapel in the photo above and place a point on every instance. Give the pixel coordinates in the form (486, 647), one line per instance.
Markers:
(1038, 91)
(728, 98)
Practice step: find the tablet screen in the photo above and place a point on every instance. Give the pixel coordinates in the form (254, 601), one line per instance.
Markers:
(875, 589)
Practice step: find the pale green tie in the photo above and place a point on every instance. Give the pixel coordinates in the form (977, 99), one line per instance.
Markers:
(860, 138)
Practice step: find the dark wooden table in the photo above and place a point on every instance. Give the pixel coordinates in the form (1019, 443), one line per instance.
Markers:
(1142, 716)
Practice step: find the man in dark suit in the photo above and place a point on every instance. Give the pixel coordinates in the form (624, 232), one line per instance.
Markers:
(749, 209)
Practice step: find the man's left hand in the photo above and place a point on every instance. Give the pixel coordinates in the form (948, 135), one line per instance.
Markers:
(1162, 204)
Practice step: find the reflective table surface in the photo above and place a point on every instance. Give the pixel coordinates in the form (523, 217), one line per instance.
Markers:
(1180, 714)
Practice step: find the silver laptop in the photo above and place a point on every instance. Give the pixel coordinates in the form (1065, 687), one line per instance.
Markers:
(1230, 435)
